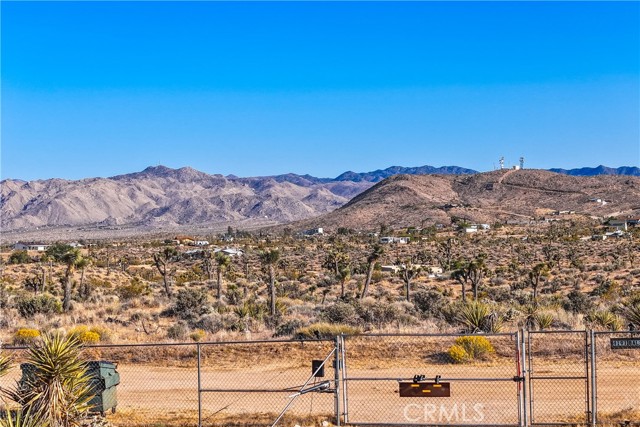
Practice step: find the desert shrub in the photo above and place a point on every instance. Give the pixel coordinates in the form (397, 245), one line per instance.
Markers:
(340, 312)
(378, 313)
(19, 257)
(458, 354)
(429, 303)
(191, 304)
(178, 331)
(470, 348)
(25, 336)
(85, 335)
(324, 331)
(577, 302)
(197, 335)
(211, 323)
(288, 327)
(39, 304)
(104, 333)
(134, 289)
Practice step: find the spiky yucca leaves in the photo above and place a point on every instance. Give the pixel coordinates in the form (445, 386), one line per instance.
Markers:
(5, 364)
(544, 320)
(473, 315)
(22, 419)
(58, 389)
(604, 319)
(631, 312)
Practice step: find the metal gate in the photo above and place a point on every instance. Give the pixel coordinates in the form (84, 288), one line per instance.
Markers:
(378, 367)
(558, 377)
(615, 377)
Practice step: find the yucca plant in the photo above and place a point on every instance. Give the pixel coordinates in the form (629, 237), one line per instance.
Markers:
(605, 319)
(56, 389)
(22, 419)
(473, 315)
(631, 312)
(5, 364)
(544, 320)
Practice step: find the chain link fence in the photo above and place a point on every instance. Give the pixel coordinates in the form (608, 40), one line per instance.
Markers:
(514, 379)
(484, 384)
(616, 378)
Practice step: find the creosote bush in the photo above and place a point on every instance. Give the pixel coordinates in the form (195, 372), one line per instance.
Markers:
(85, 335)
(26, 336)
(40, 304)
(470, 348)
(325, 330)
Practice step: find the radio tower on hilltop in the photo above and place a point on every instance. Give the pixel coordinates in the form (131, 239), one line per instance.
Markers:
(502, 162)
(521, 162)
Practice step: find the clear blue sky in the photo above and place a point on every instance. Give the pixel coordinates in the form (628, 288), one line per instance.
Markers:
(104, 88)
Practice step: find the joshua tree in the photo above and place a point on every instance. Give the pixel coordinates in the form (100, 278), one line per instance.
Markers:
(344, 275)
(222, 264)
(446, 252)
(72, 259)
(477, 269)
(269, 260)
(163, 262)
(373, 257)
(461, 275)
(408, 271)
(535, 276)
(84, 289)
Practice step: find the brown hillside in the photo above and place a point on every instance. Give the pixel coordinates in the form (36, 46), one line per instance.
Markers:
(418, 200)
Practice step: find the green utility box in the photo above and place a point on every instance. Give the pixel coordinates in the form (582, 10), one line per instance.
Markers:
(103, 379)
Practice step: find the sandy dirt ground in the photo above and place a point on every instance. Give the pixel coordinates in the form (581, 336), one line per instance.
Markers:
(151, 395)
(170, 393)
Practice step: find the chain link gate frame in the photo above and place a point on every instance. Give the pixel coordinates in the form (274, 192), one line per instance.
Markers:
(615, 379)
(558, 366)
(495, 399)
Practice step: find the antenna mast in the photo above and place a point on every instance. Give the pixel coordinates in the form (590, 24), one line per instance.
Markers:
(521, 162)
(502, 162)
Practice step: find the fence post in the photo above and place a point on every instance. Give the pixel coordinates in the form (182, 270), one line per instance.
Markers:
(594, 381)
(345, 396)
(520, 383)
(336, 371)
(523, 357)
(199, 388)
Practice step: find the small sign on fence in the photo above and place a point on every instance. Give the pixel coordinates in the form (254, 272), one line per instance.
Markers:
(425, 389)
(625, 343)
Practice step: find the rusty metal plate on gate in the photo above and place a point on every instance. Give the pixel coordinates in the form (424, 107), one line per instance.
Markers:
(624, 343)
(425, 389)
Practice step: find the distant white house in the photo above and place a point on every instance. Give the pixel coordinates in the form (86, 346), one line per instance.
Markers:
(390, 268)
(390, 239)
(30, 246)
(314, 232)
(230, 251)
(76, 245)
(472, 229)
(618, 224)
(201, 243)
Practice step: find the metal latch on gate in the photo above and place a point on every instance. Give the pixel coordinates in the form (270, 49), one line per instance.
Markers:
(518, 379)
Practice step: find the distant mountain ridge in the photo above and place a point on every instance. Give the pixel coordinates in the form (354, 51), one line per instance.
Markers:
(600, 170)
(162, 196)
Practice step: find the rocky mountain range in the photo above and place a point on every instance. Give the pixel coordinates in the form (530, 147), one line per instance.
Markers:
(163, 197)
